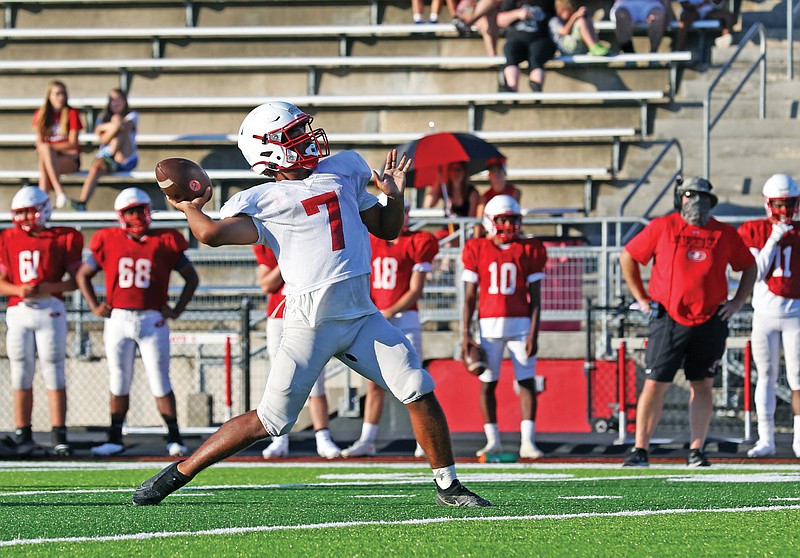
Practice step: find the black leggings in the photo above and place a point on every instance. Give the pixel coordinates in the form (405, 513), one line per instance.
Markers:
(537, 51)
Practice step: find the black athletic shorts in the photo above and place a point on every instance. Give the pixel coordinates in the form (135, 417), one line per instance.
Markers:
(671, 345)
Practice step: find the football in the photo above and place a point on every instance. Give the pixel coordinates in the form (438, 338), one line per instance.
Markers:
(475, 360)
(181, 179)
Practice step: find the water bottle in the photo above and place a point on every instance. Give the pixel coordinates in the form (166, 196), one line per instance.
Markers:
(498, 458)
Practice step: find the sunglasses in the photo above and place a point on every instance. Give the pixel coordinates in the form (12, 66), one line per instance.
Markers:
(691, 193)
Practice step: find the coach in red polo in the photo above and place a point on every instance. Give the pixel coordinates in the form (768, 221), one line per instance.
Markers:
(689, 307)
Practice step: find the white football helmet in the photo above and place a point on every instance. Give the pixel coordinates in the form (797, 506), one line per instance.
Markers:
(28, 198)
(781, 187)
(268, 143)
(502, 206)
(138, 222)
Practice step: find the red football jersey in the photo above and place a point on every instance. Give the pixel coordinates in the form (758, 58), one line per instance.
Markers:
(393, 264)
(689, 271)
(137, 272)
(265, 256)
(47, 256)
(783, 276)
(503, 274)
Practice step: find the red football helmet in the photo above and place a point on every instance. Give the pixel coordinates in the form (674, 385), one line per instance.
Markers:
(502, 206)
(30, 209)
(266, 143)
(781, 188)
(138, 221)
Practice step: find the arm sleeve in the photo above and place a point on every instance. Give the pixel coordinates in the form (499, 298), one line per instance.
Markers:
(642, 246)
(74, 250)
(741, 258)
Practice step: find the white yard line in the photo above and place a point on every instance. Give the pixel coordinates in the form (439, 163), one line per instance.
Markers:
(351, 524)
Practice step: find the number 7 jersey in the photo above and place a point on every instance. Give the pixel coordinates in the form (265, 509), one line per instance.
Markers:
(137, 272)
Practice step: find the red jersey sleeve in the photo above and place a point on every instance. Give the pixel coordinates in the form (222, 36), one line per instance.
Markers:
(74, 249)
(741, 257)
(425, 247)
(470, 255)
(75, 120)
(535, 257)
(751, 233)
(642, 246)
(98, 248)
(265, 255)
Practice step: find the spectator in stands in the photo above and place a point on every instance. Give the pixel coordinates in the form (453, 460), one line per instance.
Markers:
(502, 276)
(271, 282)
(483, 15)
(399, 268)
(689, 308)
(37, 266)
(116, 129)
(498, 185)
(692, 10)
(627, 13)
(776, 305)
(573, 31)
(418, 8)
(329, 312)
(57, 125)
(137, 262)
(527, 38)
(460, 196)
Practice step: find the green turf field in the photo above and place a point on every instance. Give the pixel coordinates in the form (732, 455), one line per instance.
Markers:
(387, 509)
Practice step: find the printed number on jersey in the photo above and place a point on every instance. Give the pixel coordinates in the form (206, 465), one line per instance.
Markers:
(782, 260)
(504, 280)
(28, 265)
(331, 201)
(134, 273)
(384, 273)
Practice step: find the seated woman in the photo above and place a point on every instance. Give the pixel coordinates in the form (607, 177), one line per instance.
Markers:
(116, 128)
(57, 125)
(460, 196)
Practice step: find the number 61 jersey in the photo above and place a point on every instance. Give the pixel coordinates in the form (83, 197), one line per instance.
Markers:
(503, 274)
(137, 272)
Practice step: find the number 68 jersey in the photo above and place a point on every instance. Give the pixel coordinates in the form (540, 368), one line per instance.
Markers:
(137, 272)
(503, 274)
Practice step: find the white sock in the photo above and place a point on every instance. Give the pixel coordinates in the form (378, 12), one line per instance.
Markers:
(492, 432)
(369, 432)
(417, 18)
(527, 429)
(445, 476)
(766, 429)
(434, 18)
(797, 427)
(323, 435)
(281, 440)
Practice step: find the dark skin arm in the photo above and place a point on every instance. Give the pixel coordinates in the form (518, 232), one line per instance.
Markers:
(470, 302)
(84, 280)
(385, 222)
(535, 294)
(190, 282)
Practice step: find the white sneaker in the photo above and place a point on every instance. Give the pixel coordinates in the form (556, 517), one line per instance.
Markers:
(104, 450)
(360, 449)
(530, 451)
(723, 41)
(174, 449)
(328, 450)
(490, 448)
(796, 447)
(761, 449)
(275, 449)
(419, 452)
(61, 201)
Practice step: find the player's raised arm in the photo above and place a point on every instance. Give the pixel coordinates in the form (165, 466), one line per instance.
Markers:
(238, 229)
(386, 221)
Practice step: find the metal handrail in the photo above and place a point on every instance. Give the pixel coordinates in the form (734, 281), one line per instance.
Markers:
(761, 61)
(644, 178)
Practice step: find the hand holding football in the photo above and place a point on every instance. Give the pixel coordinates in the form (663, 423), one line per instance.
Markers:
(181, 179)
(475, 360)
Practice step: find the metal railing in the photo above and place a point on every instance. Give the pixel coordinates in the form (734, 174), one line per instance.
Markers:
(708, 121)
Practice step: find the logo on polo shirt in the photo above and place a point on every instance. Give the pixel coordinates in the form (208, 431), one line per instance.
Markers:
(696, 256)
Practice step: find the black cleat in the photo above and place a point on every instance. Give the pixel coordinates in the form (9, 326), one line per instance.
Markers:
(457, 495)
(697, 458)
(159, 486)
(636, 458)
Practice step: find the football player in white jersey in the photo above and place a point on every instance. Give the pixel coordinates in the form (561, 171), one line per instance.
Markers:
(317, 217)
(775, 243)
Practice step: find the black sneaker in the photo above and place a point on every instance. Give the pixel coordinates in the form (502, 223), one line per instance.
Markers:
(78, 205)
(636, 458)
(62, 450)
(457, 495)
(461, 27)
(158, 487)
(697, 458)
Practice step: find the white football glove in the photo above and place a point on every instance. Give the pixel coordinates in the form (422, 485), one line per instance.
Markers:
(779, 230)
